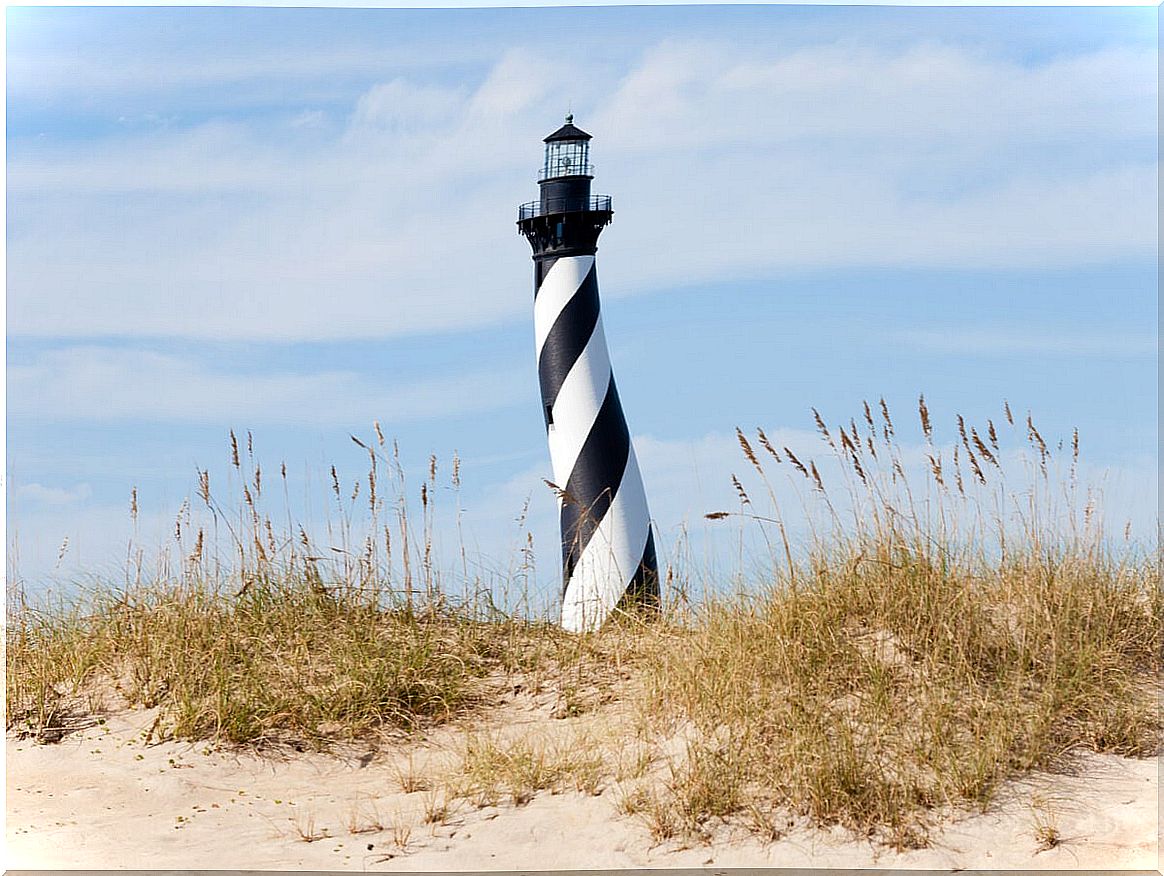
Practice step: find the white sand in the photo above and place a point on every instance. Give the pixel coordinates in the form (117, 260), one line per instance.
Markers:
(102, 799)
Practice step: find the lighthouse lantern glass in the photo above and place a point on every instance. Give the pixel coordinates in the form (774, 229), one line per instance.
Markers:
(567, 158)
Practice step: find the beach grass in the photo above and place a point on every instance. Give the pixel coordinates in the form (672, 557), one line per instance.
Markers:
(931, 639)
(885, 687)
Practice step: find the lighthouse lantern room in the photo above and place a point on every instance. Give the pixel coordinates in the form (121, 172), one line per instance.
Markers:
(567, 152)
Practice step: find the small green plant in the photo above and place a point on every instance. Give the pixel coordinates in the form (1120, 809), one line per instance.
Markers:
(410, 779)
(436, 807)
(401, 831)
(1045, 824)
(306, 830)
(363, 818)
(632, 801)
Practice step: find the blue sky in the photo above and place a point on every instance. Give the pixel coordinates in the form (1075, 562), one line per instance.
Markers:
(298, 221)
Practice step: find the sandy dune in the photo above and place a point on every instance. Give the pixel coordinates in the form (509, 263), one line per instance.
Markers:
(101, 798)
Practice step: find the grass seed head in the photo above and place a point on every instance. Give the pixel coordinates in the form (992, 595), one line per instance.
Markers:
(767, 445)
(749, 454)
(887, 420)
(797, 464)
(822, 428)
(741, 491)
(816, 477)
(924, 414)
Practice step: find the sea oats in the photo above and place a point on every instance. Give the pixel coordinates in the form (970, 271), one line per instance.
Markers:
(795, 462)
(741, 491)
(767, 445)
(975, 467)
(936, 468)
(747, 449)
(888, 432)
(824, 430)
(857, 467)
(983, 450)
(1037, 440)
(816, 476)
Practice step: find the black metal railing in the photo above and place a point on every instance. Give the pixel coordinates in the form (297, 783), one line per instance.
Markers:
(564, 205)
(584, 169)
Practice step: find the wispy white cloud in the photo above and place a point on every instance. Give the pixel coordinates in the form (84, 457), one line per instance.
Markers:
(400, 107)
(39, 495)
(139, 69)
(687, 93)
(725, 165)
(106, 384)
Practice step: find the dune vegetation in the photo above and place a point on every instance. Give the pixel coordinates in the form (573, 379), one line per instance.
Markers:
(957, 615)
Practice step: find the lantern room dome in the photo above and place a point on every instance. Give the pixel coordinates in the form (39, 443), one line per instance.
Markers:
(567, 132)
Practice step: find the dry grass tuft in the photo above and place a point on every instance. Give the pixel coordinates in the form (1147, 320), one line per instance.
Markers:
(306, 830)
(906, 664)
(281, 661)
(1044, 827)
(494, 770)
(793, 700)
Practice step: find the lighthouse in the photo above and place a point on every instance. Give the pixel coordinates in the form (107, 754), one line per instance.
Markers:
(608, 548)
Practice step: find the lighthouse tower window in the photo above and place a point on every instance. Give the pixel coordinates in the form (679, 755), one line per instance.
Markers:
(567, 158)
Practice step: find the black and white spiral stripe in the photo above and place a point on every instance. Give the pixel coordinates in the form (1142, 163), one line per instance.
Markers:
(608, 550)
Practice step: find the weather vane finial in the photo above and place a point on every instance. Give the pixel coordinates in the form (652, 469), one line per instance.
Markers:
(569, 118)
